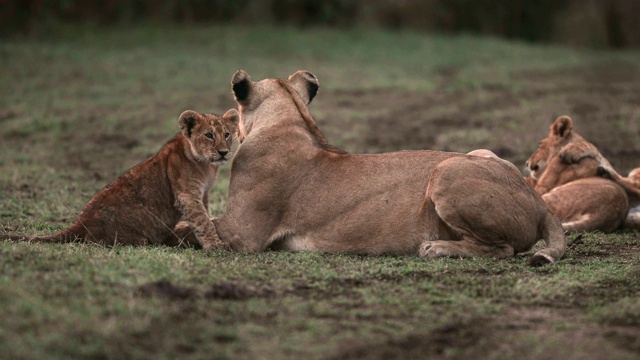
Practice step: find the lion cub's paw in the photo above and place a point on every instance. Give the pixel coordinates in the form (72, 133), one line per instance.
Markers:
(215, 244)
(575, 152)
(570, 158)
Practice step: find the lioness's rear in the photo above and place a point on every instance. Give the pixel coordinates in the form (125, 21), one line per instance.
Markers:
(494, 212)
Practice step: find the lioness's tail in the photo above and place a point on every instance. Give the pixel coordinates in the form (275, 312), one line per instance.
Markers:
(74, 233)
(554, 239)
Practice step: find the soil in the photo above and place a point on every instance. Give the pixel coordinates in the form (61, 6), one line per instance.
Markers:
(603, 101)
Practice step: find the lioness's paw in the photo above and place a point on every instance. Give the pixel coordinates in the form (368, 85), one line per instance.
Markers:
(431, 249)
(422, 252)
(540, 260)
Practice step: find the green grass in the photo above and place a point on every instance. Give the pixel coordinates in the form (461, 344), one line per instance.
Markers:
(84, 300)
(81, 105)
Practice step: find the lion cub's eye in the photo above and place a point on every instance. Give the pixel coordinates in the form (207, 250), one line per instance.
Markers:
(209, 136)
(227, 135)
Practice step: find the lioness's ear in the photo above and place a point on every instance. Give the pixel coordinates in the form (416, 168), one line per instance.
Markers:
(306, 84)
(562, 127)
(232, 117)
(188, 120)
(241, 85)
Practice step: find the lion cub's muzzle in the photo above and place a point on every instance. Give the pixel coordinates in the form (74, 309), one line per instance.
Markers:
(535, 169)
(220, 157)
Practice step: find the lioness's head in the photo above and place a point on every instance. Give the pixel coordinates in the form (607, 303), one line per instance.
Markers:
(251, 94)
(210, 136)
(560, 134)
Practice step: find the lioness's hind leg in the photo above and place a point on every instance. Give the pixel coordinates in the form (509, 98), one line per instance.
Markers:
(487, 204)
(467, 247)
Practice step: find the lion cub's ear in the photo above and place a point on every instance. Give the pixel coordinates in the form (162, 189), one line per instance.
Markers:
(241, 85)
(561, 127)
(232, 117)
(188, 120)
(306, 84)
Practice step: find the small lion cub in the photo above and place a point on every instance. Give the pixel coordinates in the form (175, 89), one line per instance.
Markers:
(144, 204)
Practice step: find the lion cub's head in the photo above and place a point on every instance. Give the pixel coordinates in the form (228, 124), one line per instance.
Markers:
(210, 136)
(560, 134)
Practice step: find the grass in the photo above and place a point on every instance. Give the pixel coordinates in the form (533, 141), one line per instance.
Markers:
(81, 105)
(89, 301)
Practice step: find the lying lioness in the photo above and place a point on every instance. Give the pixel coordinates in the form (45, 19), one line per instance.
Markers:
(144, 204)
(564, 170)
(290, 189)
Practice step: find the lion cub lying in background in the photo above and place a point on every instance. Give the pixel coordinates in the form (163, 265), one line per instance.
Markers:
(574, 179)
(144, 204)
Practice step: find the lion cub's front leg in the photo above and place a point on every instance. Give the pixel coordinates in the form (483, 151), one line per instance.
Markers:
(196, 215)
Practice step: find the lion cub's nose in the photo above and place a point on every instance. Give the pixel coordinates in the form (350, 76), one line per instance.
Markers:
(534, 167)
(223, 153)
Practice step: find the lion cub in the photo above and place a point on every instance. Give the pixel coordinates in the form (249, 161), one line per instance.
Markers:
(144, 204)
(565, 170)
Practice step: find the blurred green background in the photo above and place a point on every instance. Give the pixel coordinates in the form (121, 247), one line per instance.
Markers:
(585, 23)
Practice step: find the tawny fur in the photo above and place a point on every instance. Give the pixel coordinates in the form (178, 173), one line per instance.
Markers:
(631, 184)
(292, 190)
(565, 171)
(560, 134)
(144, 204)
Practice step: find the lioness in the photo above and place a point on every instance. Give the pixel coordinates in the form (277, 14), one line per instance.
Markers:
(144, 204)
(290, 189)
(564, 170)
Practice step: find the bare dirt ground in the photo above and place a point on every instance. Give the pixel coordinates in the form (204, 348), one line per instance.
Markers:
(603, 101)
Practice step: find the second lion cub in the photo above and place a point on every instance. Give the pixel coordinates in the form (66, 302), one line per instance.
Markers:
(144, 204)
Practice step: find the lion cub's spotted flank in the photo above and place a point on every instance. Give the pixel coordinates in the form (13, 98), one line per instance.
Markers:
(144, 204)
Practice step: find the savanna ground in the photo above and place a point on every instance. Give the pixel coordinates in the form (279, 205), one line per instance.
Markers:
(79, 106)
